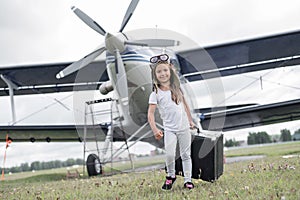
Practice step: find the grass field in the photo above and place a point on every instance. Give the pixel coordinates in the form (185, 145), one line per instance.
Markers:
(272, 177)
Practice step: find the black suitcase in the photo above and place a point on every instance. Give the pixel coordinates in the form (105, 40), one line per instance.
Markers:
(207, 157)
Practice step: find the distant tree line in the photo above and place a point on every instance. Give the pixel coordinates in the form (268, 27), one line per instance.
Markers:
(231, 143)
(37, 165)
(285, 135)
(263, 137)
(258, 138)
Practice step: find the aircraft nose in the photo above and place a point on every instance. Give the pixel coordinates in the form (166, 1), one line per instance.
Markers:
(113, 42)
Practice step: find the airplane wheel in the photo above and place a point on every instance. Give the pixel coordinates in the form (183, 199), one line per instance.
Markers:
(93, 165)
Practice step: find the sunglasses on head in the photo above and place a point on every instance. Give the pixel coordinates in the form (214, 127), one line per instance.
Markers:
(162, 57)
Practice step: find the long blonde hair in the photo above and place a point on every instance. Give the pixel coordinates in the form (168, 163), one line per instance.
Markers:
(176, 93)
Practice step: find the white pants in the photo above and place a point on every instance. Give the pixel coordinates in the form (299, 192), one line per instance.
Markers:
(184, 142)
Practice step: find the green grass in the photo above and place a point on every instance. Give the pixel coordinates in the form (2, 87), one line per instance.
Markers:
(142, 162)
(38, 175)
(268, 150)
(272, 177)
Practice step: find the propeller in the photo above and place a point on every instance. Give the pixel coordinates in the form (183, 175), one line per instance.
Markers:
(80, 63)
(121, 76)
(89, 21)
(128, 14)
(111, 43)
(154, 42)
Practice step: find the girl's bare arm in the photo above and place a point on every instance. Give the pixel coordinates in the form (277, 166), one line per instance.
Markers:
(151, 119)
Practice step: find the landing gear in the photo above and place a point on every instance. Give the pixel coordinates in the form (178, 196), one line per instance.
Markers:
(93, 165)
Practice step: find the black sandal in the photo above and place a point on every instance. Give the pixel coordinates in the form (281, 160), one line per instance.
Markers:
(168, 183)
(189, 185)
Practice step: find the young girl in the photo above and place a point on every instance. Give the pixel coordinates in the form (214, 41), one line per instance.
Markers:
(176, 117)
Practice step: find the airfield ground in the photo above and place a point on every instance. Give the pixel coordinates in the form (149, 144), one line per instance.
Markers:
(275, 176)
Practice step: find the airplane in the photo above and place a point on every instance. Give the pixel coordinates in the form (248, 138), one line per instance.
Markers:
(126, 76)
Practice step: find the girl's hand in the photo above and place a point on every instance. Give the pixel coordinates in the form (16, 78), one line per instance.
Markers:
(158, 134)
(192, 125)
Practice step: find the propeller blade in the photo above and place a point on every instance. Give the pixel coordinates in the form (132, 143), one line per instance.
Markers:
(89, 21)
(129, 13)
(121, 85)
(154, 42)
(80, 63)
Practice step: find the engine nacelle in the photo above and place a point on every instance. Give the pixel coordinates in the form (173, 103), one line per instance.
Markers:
(106, 87)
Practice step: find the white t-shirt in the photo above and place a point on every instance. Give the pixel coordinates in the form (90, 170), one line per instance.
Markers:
(174, 116)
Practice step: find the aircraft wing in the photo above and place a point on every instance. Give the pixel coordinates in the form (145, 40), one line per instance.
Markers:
(51, 133)
(251, 116)
(240, 57)
(35, 79)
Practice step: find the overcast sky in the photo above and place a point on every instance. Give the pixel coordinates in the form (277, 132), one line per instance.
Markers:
(48, 31)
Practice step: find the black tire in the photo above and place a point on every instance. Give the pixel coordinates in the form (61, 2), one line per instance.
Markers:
(93, 165)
